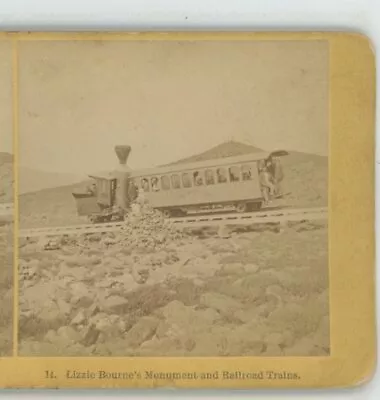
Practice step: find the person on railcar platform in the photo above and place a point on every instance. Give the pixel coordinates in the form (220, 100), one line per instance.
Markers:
(278, 175)
(266, 180)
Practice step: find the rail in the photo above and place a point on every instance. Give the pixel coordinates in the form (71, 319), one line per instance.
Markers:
(263, 217)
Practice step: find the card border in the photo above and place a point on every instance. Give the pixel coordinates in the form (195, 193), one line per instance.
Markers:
(351, 236)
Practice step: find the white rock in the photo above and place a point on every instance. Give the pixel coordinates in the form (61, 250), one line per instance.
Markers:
(79, 319)
(251, 268)
(115, 304)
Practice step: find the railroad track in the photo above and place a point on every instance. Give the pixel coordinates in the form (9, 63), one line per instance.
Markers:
(231, 219)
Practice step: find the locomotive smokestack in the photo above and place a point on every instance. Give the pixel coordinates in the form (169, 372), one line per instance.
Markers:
(122, 173)
(122, 153)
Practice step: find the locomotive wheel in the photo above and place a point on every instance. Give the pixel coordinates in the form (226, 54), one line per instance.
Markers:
(241, 207)
(94, 219)
(177, 213)
(166, 213)
(255, 206)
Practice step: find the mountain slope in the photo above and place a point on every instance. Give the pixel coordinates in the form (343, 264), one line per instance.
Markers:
(33, 180)
(227, 149)
(306, 178)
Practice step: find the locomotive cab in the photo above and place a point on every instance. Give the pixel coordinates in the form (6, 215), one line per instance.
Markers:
(105, 191)
(98, 201)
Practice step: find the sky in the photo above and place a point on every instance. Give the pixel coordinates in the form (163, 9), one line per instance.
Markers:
(167, 100)
(6, 138)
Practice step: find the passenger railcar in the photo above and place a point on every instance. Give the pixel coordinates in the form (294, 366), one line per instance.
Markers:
(233, 183)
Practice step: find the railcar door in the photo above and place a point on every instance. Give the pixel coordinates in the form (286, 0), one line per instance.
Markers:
(105, 193)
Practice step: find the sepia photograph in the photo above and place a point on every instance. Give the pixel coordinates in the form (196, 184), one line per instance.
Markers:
(6, 200)
(172, 198)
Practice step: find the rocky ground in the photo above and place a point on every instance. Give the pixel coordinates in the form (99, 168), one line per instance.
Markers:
(152, 291)
(6, 290)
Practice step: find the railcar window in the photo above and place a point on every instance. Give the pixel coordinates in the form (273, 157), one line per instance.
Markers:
(221, 175)
(186, 180)
(198, 178)
(145, 184)
(176, 182)
(210, 178)
(155, 184)
(246, 171)
(165, 182)
(234, 174)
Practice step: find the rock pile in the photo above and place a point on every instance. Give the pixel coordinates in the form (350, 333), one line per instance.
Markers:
(147, 228)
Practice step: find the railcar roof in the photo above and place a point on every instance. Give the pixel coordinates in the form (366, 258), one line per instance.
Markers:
(207, 164)
(111, 176)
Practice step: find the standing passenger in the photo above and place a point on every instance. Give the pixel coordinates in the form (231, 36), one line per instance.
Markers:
(266, 183)
(278, 175)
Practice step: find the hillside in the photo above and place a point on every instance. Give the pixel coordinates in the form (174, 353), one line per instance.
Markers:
(6, 178)
(227, 149)
(30, 180)
(306, 177)
(49, 207)
(33, 180)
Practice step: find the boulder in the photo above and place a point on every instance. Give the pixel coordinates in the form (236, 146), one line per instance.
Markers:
(64, 307)
(50, 313)
(301, 348)
(232, 269)
(66, 336)
(274, 339)
(89, 335)
(225, 305)
(251, 268)
(92, 310)
(273, 350)
(140, 273)
(78, 273)
(79, 318)
(245, 339)
(79, 289)
(127, 282)
(114, 304)
(142, 331)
